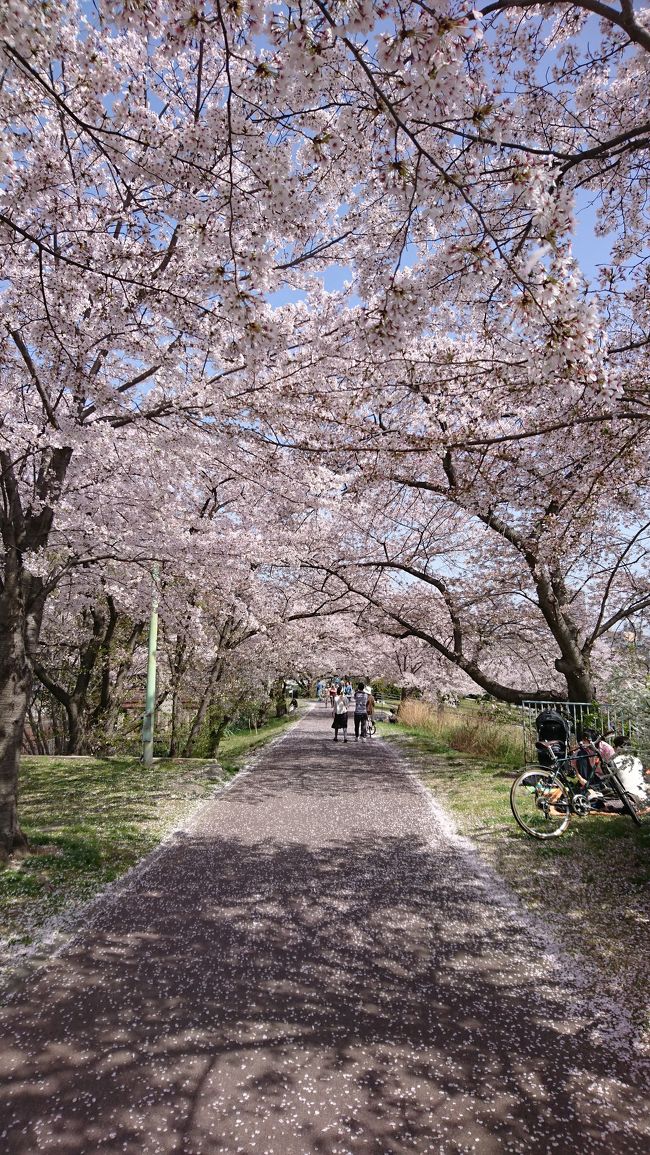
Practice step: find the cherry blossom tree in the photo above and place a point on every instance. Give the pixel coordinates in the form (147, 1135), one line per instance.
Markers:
(167, 169)
(516, 564)
(129, 235)
(86, 653)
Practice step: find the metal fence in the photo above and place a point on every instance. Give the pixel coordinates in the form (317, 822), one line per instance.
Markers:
(600, 716)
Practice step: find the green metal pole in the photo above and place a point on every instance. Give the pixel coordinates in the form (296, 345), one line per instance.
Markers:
(150, 706)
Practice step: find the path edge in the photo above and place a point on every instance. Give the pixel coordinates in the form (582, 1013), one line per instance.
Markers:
(608, 1022)
(61, 932)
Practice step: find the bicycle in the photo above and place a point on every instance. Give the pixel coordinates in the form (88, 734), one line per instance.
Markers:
(371, 728)
(544, 798)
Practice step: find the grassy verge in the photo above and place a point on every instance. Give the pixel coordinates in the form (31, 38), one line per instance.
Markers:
(236, 747)
(469, 731)
(88, 820)
(591, 885)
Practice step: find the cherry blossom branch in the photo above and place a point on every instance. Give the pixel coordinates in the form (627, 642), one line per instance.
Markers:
(491, 685)
(384, 101)
(624, 19)
(599, 628)
(26, 356)
(627, 611)
(104, 274)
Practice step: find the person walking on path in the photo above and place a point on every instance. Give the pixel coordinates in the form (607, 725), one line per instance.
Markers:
(370, 708)
(340, 712)
(360, 713)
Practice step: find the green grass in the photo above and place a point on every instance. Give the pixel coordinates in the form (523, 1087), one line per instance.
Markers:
(235, 747)
(478, 792)
(388, 704)
(590, 885)
(88, 820)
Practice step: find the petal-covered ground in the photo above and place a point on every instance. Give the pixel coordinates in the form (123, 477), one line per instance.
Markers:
(315, 967)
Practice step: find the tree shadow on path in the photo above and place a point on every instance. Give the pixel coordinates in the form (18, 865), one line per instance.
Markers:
(276, 997)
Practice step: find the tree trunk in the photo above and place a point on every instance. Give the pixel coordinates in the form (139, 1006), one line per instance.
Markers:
(173, 739)
(58, 729)
(216, 732)
(77, 736)
(21, 612)
(38, 734)
(94, 673)
(104, 719)
(197, 724)
(204, 703)
(279, 696)
(15, 690)
(580, 686)
(177, 666)
(30, 744)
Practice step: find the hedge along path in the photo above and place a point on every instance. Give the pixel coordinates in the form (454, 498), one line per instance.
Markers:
(316, 966)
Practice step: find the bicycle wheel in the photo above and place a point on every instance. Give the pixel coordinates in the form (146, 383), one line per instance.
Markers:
(628, 801)
(540, 802)
(371, 729)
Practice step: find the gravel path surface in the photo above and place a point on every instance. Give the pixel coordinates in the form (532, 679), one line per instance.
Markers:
(315, 967)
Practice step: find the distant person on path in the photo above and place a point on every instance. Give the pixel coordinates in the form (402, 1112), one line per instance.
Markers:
(293, 704)
(320, 686)
(340, 716)
(370, 704)
(360, 712)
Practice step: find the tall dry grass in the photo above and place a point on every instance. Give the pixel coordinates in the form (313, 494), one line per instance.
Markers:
(468, 731)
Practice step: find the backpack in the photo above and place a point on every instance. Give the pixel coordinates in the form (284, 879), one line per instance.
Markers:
(552, 727)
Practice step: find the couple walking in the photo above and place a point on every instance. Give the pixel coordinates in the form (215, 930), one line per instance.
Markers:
(363, 706)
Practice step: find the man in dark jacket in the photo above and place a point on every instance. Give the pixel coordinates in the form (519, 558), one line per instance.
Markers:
(360, 712)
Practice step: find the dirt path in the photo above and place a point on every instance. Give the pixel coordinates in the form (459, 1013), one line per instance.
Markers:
(314, 968)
